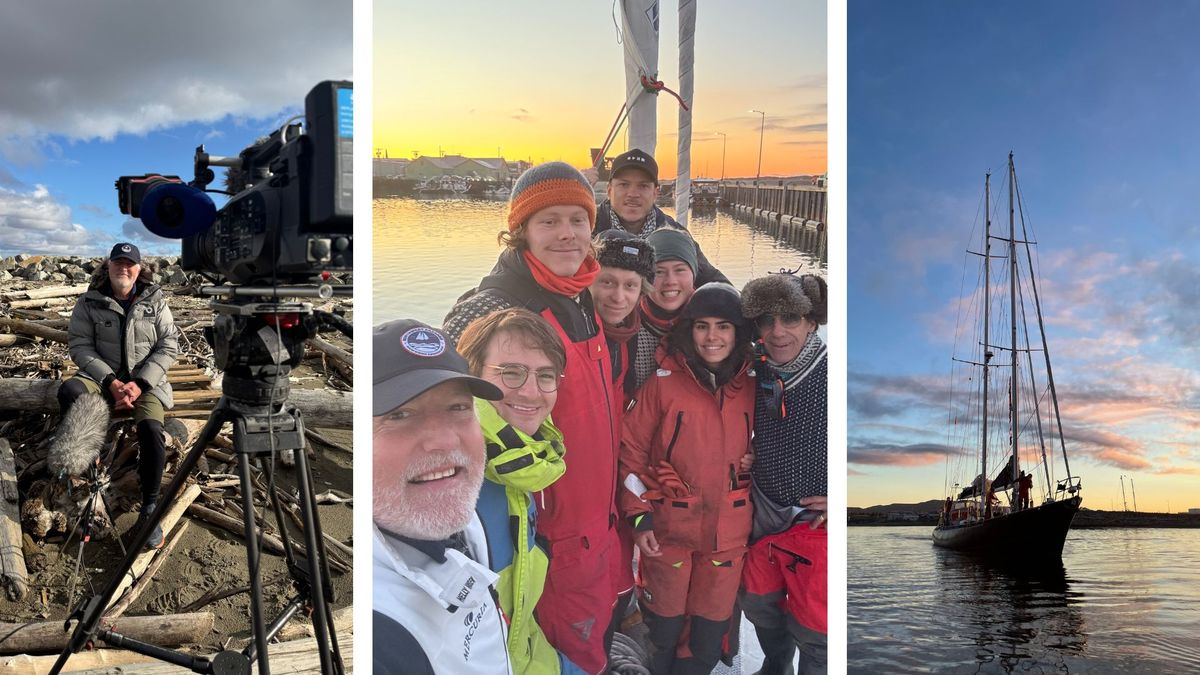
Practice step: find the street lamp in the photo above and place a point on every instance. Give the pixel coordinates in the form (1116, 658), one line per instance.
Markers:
(724, 140)
(761, 127)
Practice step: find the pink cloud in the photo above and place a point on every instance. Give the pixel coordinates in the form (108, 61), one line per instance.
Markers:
(1123, 460)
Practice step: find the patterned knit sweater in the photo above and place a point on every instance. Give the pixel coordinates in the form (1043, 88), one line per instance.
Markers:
(791, 454)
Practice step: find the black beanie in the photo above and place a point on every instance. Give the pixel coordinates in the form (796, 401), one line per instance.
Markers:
(618, 248)
(716, 299)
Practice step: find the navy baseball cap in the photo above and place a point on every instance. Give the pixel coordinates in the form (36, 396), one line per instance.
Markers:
(412, 358)
(127, 251)
(636, 159)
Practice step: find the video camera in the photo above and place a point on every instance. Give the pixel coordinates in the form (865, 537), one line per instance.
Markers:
(291, 217)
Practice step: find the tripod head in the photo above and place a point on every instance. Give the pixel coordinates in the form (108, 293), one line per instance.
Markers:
(257, 338)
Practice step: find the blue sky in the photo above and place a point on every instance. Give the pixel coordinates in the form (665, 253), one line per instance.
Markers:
(1098, 101)
(133, 87)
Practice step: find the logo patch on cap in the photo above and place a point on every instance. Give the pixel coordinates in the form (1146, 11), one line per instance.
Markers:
(630, 250)
(421, 341)
(126, 248)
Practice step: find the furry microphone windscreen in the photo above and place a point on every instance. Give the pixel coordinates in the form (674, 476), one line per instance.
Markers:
(80, 436)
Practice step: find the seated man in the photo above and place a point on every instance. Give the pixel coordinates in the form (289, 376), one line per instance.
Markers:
(632, 190)
(435, 608)
(123, 340)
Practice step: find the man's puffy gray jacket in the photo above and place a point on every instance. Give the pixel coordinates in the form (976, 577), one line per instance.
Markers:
(144, 349)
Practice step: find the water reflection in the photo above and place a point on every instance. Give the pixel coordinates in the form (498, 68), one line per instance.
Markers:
(427, 252)
(1015, 616)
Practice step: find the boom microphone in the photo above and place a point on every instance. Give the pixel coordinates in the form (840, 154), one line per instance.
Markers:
(80, 436)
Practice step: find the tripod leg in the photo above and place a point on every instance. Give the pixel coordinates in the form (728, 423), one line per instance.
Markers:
(89, 613)
(317, 568)
(252, 555)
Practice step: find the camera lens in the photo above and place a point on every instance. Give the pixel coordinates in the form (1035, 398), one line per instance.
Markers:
(169, 212)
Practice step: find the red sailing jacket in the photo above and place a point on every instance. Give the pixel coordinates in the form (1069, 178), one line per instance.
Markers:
(703, 435)
(583, 502)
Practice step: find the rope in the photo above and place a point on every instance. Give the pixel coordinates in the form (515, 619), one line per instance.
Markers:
(622, 115)
(626, 657)
(654, 86)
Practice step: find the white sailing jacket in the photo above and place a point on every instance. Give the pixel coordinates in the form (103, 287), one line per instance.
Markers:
(449, 608)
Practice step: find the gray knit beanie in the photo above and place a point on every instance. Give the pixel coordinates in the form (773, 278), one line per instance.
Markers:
(674, 244)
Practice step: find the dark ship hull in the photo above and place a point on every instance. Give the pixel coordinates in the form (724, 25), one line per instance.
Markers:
(1033, 533)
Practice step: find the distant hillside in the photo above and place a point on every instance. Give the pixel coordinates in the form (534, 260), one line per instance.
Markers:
(931, 506)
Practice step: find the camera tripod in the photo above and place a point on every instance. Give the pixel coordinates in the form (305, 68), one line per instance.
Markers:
(256, 344)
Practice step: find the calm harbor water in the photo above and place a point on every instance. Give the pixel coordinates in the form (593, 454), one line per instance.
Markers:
(428, 252)
(1124, 601)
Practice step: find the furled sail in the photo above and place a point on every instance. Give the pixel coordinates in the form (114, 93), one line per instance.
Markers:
(639, 28)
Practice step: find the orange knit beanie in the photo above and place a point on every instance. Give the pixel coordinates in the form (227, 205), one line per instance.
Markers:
(549, 184)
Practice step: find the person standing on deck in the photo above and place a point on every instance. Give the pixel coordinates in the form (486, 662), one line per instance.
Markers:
(520, 353)
(632, 189)
(547, 267)
(784, 586)
(626, 272)
(685, 446)
(124, 340)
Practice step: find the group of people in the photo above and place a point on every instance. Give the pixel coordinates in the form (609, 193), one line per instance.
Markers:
(603, 401)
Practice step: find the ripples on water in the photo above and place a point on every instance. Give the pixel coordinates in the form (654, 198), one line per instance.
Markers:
(1124, 601)
(428, 252)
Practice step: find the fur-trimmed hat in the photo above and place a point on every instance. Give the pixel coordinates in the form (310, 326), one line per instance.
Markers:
(715, 299)
(618, 248)
(778, 294)
(546, 185)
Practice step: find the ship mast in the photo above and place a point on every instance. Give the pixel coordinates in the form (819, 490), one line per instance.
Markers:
(1012, 292)
(984, 502)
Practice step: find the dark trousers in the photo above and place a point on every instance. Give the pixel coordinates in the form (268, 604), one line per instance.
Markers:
(148, 417)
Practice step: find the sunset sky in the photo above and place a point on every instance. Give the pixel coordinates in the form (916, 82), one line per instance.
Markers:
(1099, 107)
(544, 81)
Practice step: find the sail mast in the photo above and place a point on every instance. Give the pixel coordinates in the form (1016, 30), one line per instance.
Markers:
(987, 319)
(1012, 292)
(687, 44)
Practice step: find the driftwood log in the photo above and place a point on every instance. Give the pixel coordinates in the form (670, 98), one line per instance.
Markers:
(296, 656)
(45, 292)
(322, 407)
(168, 630)
(31, 328)
(13, 575)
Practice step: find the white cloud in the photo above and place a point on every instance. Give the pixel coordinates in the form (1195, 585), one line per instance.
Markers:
(149, 66)
(35, 222)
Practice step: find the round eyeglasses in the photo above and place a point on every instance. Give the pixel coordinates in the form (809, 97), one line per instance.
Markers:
(514, 376)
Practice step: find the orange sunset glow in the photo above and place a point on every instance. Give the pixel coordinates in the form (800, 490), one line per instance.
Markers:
(542, 82)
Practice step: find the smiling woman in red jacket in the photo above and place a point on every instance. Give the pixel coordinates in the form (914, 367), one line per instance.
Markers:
(684, 452)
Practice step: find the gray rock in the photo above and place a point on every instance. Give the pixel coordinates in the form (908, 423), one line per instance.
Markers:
(58, 277)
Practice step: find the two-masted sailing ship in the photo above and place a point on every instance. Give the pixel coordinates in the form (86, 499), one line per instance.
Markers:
(1014, 420)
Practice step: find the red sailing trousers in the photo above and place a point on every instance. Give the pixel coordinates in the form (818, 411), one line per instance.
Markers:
(789, 571)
